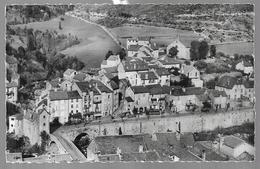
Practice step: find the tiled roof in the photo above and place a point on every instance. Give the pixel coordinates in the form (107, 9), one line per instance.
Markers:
(135, 64)
(153, 66)
(232, 141)
(147, 75)
(162, 72)
(64, 95)
(129, 99)
(155, 89)
(148, 59)
(110, 69)
(134, 48)
(80, 77)
(188, 68)
(142, 156)
(139, 89)
(127, 143)
(73, 95)
(114, 85)
(228, 82)
(83, 86)
(58, 95)
(101, 86)
(211, 155)
(249, 84)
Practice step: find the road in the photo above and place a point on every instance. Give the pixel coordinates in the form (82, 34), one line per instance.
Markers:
(102, 27)
(74, 152)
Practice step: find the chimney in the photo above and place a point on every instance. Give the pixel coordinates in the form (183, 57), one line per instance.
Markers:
(203, 155)
(141, 148)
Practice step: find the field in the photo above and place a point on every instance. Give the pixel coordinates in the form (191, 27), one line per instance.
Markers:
(242, 48)
(160, 35)
(94, 41)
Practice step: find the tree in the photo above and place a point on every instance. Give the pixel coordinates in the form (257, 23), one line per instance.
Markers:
(199, 50)
(194, 50)
(122, 54)
(203, 50)
(109, 53)
(31, 45)
(45, 138)
(212, 50)
(200, 65)
(173, 52)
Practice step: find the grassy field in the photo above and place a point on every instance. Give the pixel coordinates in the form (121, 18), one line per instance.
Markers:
(242, 48)
(161, 35)
(94, 41)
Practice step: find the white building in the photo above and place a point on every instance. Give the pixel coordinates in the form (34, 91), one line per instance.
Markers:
(183, 51)
(112, 61)
(234, 146)
(245, 66)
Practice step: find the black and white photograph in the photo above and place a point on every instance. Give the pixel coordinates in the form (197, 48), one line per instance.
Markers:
(130, 82)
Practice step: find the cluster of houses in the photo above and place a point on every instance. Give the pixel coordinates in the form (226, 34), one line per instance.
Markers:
(168, 146)
(139, 84)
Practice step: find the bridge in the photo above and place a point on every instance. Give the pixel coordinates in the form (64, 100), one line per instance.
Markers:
(188, 123)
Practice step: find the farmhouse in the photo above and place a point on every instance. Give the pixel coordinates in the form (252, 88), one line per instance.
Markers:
(235, 88)
(234, 146)
(130, 68)
(183, 51)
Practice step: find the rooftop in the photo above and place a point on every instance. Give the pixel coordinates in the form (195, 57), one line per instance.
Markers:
(232, 141)
(147, 75)
(134, 48)
(80, 77)
(127, 143)
(64, 95)
(68, 72)
(135, 64)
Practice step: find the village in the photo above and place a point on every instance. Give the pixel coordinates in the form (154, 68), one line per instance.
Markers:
(148, 82)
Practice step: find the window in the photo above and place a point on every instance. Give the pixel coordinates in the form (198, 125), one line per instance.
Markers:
(108, 96)
(12, 119)
(235, 90)
(72, 106)
(71, 111)
(241, 90)
(77, 111)
(12, 125)
(44, 117)
(44, 124)
(77, 100)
